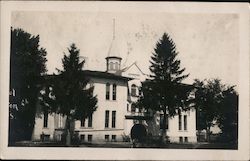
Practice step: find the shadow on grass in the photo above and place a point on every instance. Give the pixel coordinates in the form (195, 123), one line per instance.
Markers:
(229, 146)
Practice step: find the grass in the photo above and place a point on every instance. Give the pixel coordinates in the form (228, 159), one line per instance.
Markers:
(129, 145)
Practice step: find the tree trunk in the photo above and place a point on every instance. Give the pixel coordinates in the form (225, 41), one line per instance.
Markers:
(208, 134)
(164, 131)
(68, 131)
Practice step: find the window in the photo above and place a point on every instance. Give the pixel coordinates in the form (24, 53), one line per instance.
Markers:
(114, 91)
(140, 91)
(162, 121)
(133, 108)
(89, 138)
(116, 66)
(107, 91)
(167, 122)
(133, 90)
(180, 123)
(90, 121)
(113, 137)
(181, 139)
(186, 139)
(60, 119)
(44, 137)
(45, 119)
(113, 118)
(83, 122)
(185, 122)
(82, 137)
(106, 137)
(106, 119)
(111, 66)
(127, 107)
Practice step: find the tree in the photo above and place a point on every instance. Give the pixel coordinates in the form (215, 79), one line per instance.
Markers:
(215, 103)
(67, 92)
(228, 118)
(27, 66)
(164, 90)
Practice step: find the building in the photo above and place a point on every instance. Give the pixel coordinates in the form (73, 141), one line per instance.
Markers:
(117, 90)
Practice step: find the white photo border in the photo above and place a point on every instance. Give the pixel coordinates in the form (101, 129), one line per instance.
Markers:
(7, 7)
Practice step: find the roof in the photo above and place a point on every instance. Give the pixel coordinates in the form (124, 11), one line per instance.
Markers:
(97, 74)
(134, 64)
(100, 74)
(114, 50)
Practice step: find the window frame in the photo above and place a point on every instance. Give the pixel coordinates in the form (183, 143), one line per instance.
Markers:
(113, 119)
(185, 122)
(90, 121)
(133, 90)
(107, 91)
(106, 121)
(90, 138)
(180, 121)
(114, 91)
(45, 119)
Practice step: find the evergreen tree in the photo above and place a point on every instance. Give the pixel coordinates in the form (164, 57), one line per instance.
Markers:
(27, 66)
(67, 92)
(164, 90)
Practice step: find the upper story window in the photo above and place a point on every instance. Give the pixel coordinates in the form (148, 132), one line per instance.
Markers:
(162, 121)
(106, 119)
(185, 122)
(90, 121)
(133, 90)
(140, 91)
(114, 91)
(60, 121)
(133, 108)
(113, 118)
(111, 65)
(179, 121)
(45, 120)
(107, 91)
(116, 66)
(83, 122)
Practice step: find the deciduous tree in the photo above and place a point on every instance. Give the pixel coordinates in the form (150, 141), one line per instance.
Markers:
(27, 66)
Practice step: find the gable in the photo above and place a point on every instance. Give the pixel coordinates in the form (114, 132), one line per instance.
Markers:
(133, 71)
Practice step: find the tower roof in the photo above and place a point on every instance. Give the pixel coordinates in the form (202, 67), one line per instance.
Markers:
(114, 50)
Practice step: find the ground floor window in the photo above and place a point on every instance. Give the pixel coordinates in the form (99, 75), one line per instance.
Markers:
(186, 139)
(89, 138)
(113, 137)
(181, 139)
(44, 137)
(82, 137)
(106, 137)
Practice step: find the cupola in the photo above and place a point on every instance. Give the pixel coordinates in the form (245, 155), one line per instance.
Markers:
(113, 59)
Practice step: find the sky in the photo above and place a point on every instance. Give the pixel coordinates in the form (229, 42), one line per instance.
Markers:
(208, 44)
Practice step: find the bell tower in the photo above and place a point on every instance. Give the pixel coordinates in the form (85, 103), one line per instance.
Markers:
(113, 59)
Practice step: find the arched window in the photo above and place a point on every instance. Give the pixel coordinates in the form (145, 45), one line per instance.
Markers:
(107, 91)
(133, 108)
(114, 91)
(116, 66)
(133, 90)
(111, 65)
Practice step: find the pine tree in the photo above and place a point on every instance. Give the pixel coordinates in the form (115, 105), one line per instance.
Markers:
(164, 91)
(69, 94)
